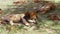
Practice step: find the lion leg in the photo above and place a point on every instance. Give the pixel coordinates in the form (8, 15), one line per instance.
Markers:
(11, 23)
(25, 22)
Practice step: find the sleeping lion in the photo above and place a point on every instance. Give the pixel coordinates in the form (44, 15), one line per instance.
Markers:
(24, 18)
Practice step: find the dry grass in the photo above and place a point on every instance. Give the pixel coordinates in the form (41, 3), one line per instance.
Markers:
(44, 27)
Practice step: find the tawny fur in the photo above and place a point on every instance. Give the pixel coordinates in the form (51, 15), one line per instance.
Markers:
(17, 17)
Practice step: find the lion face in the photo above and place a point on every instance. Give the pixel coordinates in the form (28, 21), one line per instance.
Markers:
(31, 15)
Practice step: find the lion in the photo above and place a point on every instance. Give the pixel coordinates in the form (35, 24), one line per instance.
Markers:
(23, 17)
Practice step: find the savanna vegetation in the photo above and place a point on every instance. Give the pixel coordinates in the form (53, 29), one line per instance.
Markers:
(45, 24)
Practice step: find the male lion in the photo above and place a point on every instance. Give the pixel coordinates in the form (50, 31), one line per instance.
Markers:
(23, 18)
